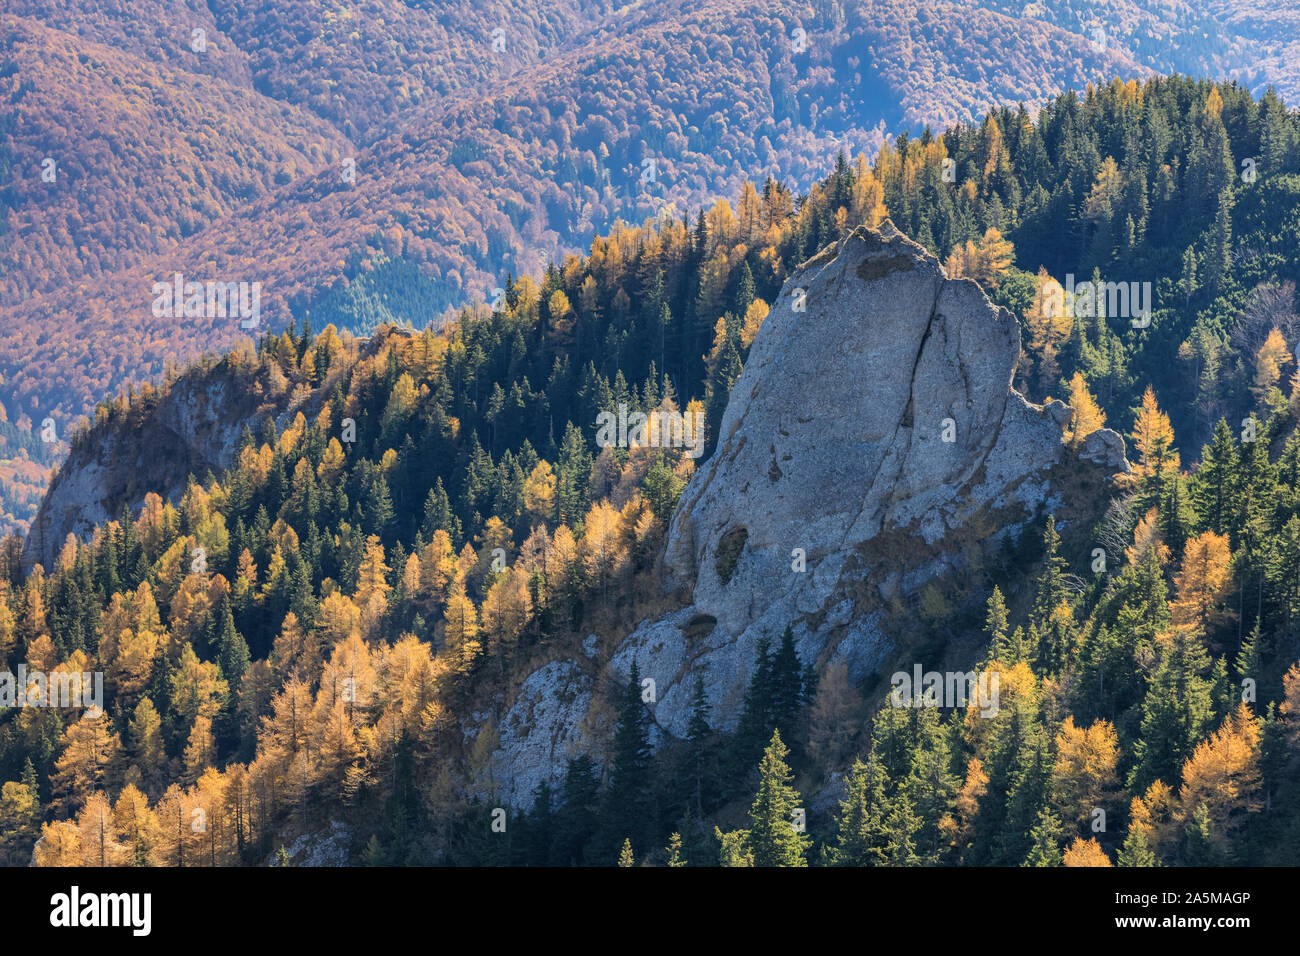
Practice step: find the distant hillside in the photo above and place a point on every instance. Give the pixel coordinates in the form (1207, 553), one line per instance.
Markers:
(144, 154)
(469, 163)
(25, 465)
(392, 165)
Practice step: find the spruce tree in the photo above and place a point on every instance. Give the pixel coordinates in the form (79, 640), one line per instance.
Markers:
(773, 839)
(628, 801)
(861, 837)
(1046, 838)
(232, 651)
(1050, 590)
(439, 516)
(1136, 851)
(785, 688)
(995, 625)
(1031, 780)
(1201, 846)
(700, 750)
(1214, 483)
(1176, 712)
(576, 818)
(540, 826)
(754, 727)
(902, 825)
(932, 786)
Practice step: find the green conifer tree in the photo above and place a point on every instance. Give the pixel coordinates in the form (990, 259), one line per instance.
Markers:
(774, 838)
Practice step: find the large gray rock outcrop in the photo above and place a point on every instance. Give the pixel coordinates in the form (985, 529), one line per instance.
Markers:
(884, 406)
(872, 440)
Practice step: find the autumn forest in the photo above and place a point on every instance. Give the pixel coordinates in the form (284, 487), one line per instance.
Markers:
(318, 637)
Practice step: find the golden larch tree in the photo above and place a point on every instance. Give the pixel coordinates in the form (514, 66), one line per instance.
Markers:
(1271, 358)
(1086, 415)
(59, 845)
(1050, 324)
(99, 843)
(135, 824)
(603, 549)
(372, 578)
(1145, 537)
(144, 736)
(506, 611)
(1200, 584)
(1223, 775)
(1085, 776)
(539, 492)
(1154, 813)
(90, 752)
(1154, 438)
(200, 749)
(1085, 853)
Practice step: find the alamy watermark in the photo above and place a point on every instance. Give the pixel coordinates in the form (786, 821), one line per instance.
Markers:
(179, 299)
(946, 689)
(1125, 300)
(62, 689)
(659, 429)
(75, 909)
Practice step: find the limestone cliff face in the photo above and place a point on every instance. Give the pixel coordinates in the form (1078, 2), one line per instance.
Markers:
(884, 406)
(871, 441)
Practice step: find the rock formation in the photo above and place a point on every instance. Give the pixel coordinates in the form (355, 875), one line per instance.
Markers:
(193, 429)
(191, 426)
(871, 441)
